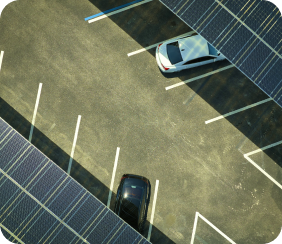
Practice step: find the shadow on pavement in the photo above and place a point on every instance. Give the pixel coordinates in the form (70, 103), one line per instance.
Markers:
(61, 158)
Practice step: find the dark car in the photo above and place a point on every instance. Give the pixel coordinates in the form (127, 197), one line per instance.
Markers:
(132, 201)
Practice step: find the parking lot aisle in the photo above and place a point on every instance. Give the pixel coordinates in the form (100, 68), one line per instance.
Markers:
(35, 111)
(74, 143)
(238, 110)
(246, 156)
(113, 178)
(155, 45)
(153, 210)
(1, 58)
(211, 225)
(199, 77)
(121, 8)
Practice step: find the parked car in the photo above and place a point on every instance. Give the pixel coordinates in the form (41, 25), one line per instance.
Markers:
(185, 53)
(132, 201)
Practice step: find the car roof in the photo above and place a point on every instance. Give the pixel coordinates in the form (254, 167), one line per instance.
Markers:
(193, 47)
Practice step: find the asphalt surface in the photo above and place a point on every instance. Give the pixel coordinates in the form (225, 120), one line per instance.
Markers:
(123, 103)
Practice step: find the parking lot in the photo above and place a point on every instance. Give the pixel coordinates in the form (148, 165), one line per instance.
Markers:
(165, 132)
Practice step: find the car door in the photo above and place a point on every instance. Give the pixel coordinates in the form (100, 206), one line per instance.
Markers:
(198, 62)
(118, 198)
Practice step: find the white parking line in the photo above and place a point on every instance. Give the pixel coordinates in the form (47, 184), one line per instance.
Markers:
(35, 111)
(238, 110)
(199, 77)
(155, 45)
(153, 210)
(210, 224)
(113, 178)
(117, 11)
(1, 58)
(74, 143)
(259, 168)
(194, 227)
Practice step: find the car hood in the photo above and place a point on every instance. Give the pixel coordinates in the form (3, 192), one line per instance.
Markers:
(163, 55)
(193, 47)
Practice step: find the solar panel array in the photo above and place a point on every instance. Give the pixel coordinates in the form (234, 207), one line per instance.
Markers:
(248, 33)
(40, 203)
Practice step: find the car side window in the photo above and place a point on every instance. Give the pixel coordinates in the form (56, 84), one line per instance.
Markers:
(119, 191)
(198, 60)
(144, 205)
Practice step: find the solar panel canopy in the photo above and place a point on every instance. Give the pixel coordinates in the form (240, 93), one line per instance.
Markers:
(40, 203)
(247, 33)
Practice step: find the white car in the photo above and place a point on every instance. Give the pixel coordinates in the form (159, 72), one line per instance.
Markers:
(185, 53)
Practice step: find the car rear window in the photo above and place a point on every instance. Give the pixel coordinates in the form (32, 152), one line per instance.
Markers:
(173, 53)
(133, 191)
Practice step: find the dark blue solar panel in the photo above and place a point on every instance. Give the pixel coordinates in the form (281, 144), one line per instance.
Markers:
(217, 28)
(249, 44)
(125, 232)
(193, 10)
(105, 229)
(8, 191)
(234, 8)
(62, 201)
(254, 57)
(230, 43)
(273, 36)
(272, 73)
(245, 51)
(61, 234)
(256, 17)
(278, 95)
(40, 203)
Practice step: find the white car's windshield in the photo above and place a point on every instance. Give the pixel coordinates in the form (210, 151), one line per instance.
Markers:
(173, 53)
(212, 50)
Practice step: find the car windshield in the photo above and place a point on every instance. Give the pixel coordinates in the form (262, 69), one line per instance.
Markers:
(129, 213)
(173, 53)
(212, 50)
(130, 206)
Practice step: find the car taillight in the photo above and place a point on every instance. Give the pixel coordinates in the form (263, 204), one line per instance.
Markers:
(165, 67)
(159, 46)
(145, 181)
(123, 178)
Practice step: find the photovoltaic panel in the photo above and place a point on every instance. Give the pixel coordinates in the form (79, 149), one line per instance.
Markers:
(248, 33)
(40, 203)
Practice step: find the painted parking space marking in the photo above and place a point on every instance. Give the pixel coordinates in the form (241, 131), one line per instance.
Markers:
(199, 77)
(155, 45)
(35, 111)
(246, 156)
(238, 110)
(211, 225)
(74, 143)
(153, 210)
(1, 58)
(110, 12)
(113, 178)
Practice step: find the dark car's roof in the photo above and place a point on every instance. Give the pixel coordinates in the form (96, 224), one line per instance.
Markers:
(134, 188)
